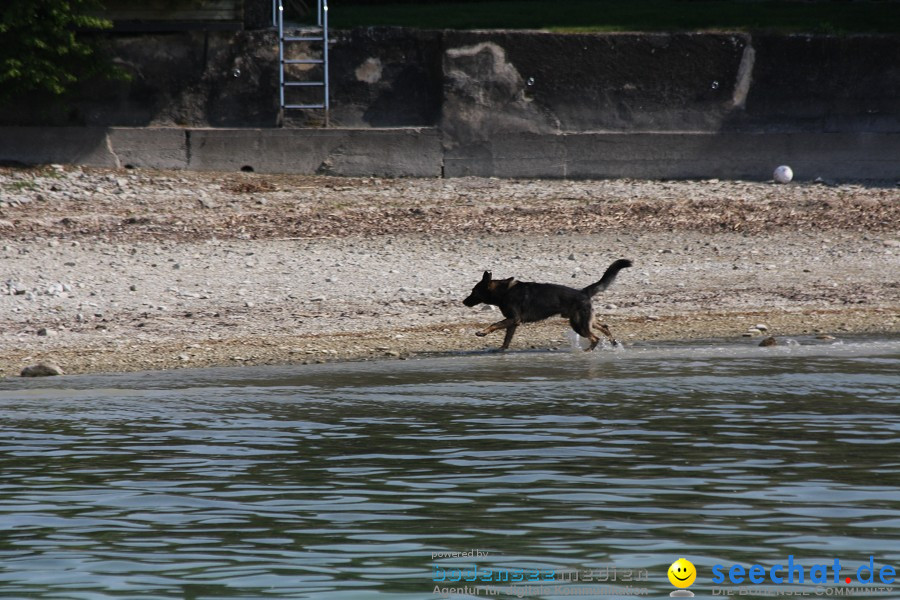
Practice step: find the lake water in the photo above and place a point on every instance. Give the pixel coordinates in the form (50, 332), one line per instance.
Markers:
(344, 481)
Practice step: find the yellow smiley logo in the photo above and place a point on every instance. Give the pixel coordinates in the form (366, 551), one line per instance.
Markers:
(682, 573)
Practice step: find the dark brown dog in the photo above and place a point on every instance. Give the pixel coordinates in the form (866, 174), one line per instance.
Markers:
(526, 302)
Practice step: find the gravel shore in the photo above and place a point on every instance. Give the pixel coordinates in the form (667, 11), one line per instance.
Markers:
(107, 270)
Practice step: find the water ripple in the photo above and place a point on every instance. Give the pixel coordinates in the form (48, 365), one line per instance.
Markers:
(342, 480)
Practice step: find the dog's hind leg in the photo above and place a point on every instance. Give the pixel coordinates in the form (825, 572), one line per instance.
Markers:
(594, 341)
(581, 324)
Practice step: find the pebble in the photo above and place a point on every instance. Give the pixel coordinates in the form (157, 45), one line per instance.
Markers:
(16, 288)
(769, 341)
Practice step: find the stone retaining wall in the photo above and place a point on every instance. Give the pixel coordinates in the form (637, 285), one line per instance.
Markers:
(503, 103)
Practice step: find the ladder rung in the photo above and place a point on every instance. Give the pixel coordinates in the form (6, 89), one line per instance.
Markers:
(304, 83)
(304, 106)
(303, 39)
(304, 61)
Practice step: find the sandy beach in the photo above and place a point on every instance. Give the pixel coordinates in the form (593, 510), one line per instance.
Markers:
(124, 270)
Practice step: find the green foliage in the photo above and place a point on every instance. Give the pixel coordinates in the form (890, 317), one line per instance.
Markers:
(46, 47)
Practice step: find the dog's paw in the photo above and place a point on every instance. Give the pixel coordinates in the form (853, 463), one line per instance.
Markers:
(481, 333)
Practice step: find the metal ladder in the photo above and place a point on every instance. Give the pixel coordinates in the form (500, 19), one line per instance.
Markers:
(319, 35)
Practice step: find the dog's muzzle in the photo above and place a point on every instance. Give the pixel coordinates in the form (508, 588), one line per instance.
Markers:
(471, 301)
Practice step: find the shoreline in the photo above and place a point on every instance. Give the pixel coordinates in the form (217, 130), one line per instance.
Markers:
(115, 270)
(823, 327)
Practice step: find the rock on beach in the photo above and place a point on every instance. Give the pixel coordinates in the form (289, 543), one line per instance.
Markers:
(42, 369)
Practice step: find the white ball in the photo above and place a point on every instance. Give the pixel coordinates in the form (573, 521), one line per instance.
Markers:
(783, 174)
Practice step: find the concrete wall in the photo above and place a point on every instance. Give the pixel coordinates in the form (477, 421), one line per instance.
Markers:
(501, 103)
(395, 152)
(672, 82)
(504, 80)
(424, 152)
(178, 79)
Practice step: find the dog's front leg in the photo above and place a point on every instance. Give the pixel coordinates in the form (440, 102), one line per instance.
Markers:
(504, 324)
(604, 329)
(509, 325)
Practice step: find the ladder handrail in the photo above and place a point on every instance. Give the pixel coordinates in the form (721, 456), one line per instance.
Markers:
(322, 19)
(280, 8)
(324, 5)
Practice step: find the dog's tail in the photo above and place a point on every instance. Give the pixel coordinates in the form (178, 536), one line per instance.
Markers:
(607, 278)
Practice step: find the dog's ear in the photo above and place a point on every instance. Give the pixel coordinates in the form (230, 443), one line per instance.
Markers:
(510, 282)
(486, 276)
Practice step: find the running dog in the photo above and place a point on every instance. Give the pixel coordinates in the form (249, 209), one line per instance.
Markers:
(527, 302)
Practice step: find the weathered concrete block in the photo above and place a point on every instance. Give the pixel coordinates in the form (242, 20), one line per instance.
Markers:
(830, 83)
(544, 82)
(66, 145)
(350, 152)
(151, 148)
(662, 155)
(512, 154)
(733, 155)
(485, 94)
(386, 152)
(386, 77)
